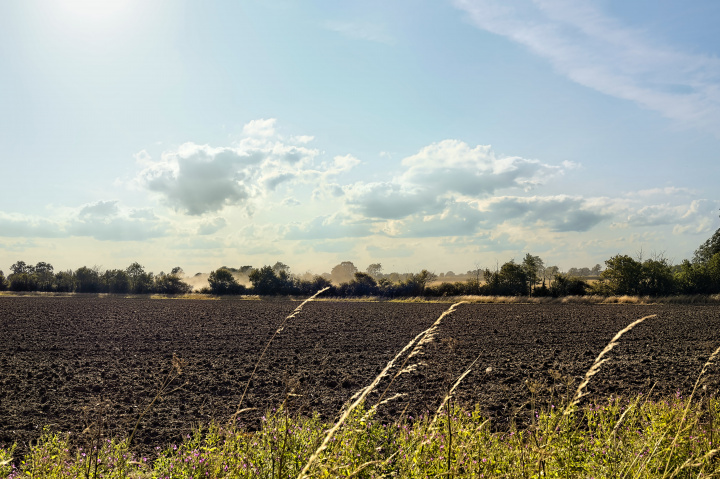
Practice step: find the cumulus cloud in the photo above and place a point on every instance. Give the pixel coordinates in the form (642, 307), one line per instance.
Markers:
(260, 128)
(597, 51)
(100, 209)
(200, 179)
(442, 171)
(694, 217)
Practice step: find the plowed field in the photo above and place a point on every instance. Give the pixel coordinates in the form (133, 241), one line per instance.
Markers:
(65, 361)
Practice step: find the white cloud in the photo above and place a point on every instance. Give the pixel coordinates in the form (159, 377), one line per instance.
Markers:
(260, 128)
(100, 209)
(443, 171)
(200, 179)
(595, 50)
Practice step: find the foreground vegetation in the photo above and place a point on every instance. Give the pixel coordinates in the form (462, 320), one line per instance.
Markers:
(674, 437)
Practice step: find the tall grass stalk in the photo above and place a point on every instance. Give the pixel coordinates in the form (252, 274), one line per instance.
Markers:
(262, 354)
(418, 341)
(599, 361)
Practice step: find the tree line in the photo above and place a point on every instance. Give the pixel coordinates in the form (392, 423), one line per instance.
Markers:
(623, 275)
(131, 280)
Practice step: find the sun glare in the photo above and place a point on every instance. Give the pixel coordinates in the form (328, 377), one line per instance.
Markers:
(94, 9)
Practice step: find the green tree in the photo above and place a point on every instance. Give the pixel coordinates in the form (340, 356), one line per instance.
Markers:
(535, 269)
(44, 276)
(657, 278)
(22, 277)
(65, 282)
(141, 282)
(266, 282)
(566, 285)
(511, 280)
(361, 285)
(171, 284)
(116, 281)
(699, 278)
(87, 280)
(3, 281)
(709, 248)
(223, 282)
(623, 275)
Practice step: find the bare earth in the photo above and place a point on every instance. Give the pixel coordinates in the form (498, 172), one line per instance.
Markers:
(65, 361)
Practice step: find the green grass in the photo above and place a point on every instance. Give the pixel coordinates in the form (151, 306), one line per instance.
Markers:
(618, 438)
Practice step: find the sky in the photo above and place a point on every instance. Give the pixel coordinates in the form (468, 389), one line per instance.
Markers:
(444, 135)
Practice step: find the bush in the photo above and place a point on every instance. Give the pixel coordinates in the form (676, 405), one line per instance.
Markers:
(566, 285)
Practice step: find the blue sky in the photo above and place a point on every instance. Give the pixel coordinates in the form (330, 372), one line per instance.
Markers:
(417, 134)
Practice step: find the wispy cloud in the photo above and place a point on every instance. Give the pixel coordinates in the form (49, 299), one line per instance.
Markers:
(597, 51)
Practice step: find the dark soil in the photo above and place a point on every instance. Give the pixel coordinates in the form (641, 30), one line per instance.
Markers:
(65, 362)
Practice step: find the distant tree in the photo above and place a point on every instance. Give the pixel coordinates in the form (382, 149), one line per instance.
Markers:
(21, 267)
(361, 285)
(171, 284)
(266, 282)
(116, 281)
(141, 282)
(44, 276)
(281, 267)
(375, 270)
(566, 285)
(343, 272)
(65, 282)
(511, 280)
(87, 280)
(223, 282)
(245, 269)
(310, 286)
(535, 269)
(699, 277)
(623, 275)
(475, 278)
(3, 281)
(596, 270)
(551, 272)
(709, 248)
(657, 278)
(177, 270)
(22, 277)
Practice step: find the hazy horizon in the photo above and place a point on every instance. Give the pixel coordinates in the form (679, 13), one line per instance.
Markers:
(419, 135)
